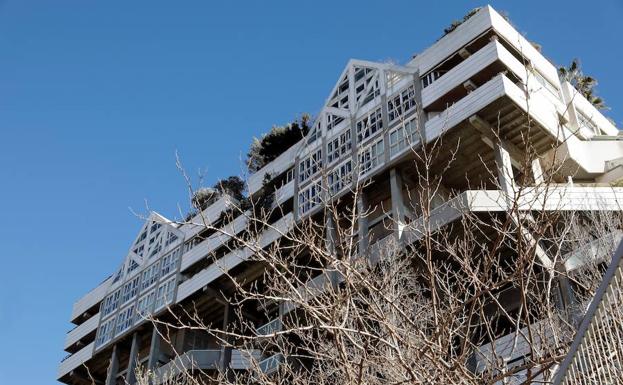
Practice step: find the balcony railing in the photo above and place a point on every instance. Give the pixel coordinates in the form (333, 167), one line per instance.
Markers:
(272, 327)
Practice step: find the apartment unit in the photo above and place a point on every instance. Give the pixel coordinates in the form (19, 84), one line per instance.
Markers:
(481, 78)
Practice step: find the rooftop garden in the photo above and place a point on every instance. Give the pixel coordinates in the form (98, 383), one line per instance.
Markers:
(275, 142)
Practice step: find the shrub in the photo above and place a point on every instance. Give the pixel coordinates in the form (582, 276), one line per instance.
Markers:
(276, 142)
(233, 186)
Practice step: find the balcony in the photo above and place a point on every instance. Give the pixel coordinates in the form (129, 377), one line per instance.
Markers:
(205, 360)
(82, 330)
(203, 249)
(271, 364)
(271, 327)
(233, 259)
(75, 360)
(91, 299)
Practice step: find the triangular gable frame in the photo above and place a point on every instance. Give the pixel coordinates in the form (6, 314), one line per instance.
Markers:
(381, 69)
(165, 227)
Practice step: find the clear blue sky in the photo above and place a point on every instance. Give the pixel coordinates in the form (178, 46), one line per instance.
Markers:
(96, 96)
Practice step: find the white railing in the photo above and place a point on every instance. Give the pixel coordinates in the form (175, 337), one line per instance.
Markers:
(596, 355)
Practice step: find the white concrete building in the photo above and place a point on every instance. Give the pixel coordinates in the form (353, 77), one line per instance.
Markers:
(483, 74)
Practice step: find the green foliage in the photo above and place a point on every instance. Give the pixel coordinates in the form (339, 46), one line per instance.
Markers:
(232, 186)
(204, 197)
(583, 83)
(276, 142)
(455, 24)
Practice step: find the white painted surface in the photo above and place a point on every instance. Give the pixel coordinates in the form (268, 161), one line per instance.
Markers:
(82, 330)
(75, 360)
(92, 298)
(232, 259)
(276, 167)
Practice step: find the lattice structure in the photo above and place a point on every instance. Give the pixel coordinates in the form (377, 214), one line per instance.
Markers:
(596, 355)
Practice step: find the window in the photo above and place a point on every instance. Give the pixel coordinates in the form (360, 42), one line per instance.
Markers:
(145, 306)
(155, 226)
(164, 294)
(340, 177)
(170, 239)
(132, 266)
(125, 319)
(150, 275)
(401, 103)
(309, 198)
(310, 165)
(139, 250)
(111, 303)
(371, 157)
(431, 77)
(402, 137)
(289, 176)
(338, 146)
(104, 334)
(130, 289)
(142, 237)
(369, 125)
(333, 120)
(169, 263)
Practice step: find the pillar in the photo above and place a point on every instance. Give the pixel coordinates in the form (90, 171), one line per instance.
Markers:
(362, 222)
(113, 367)
(228, 315)
(398, 206)
(154, 349)
(505, 169)
(130, 376)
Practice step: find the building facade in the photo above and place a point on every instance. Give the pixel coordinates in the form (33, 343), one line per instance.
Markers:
(484, 77)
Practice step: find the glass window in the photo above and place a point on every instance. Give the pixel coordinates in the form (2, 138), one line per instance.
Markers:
(130, 290)
(402, 137)
(369, 125)
(125, 319)
(105, 332)
(150, 275)
(111, 303)
(338, 146)
(145, 306)
(164, 293)
(310, 165)
(371, 157)
(309, 198)
(340, 177)
(401, 103)
(169, 263)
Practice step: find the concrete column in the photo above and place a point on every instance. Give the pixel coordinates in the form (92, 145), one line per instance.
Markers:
(130, 376)
(113, 367)
(330, 235)
(505, 169)
(154, 350)
(398, 206)
(537, 172)
(228, 316)
(568, 94)
(362, 221)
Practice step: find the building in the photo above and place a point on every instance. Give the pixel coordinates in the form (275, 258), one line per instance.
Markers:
(482, 77)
